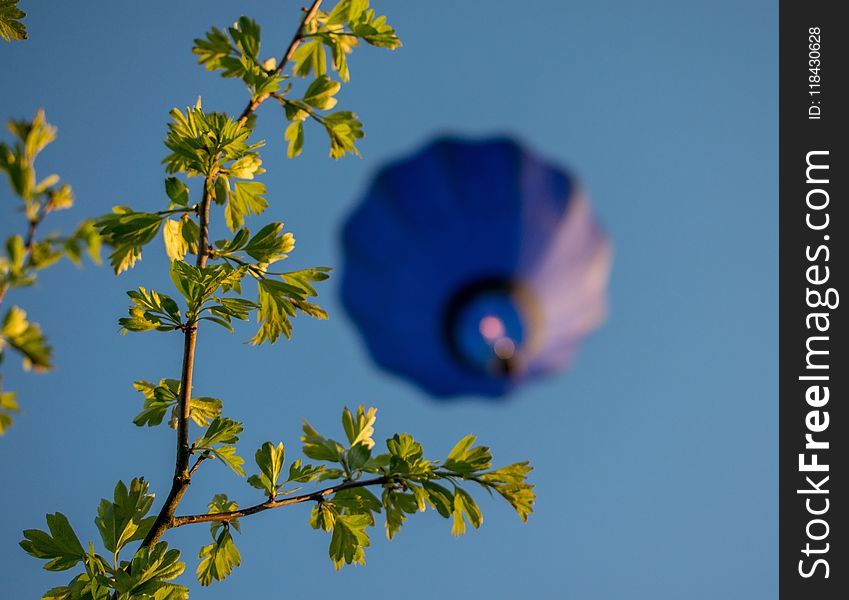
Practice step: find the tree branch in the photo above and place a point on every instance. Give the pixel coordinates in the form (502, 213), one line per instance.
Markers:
(199, 460)
(182, 472)
(29, 242)
(287, 56)
(317, 496)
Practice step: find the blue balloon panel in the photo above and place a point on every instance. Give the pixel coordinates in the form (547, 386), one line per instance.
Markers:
(472, 267)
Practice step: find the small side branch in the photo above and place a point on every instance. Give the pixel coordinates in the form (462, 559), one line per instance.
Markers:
(29, 242)
(317, 496)
(199, 460)
(287, 56)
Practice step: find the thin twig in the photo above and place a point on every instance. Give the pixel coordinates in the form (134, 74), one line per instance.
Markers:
(29, 242)
(183, 209)
(269, 504)
(287, 56)
(199, 460)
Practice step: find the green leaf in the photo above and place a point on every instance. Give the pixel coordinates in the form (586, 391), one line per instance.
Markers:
(26, 338)
(511, 483)
(127, 231)
(8, 406)
(73, 251)
(16, 251)
(245, 198)
(398, 505)
(85, 235)
(228, 247)
(200, 142)
(177, 192)
(58, 593)
(270, 245)
(227, 455)
(318, 447)
(171, 591)
(511, 474)
(220, 503)
(439, 498)
(95, 581)
(349, 539)
(246, 167)
(226, 309)
(295, 136)
(199, 284)
(359, 429)
(88, 235)
(327, 474)
(217, 439)
(245, 34)
(378, 464)
(269, 459)
(375, 30)
(344, 129)
(357, 456)
(357, 501)
(11, 27)
(149, 571)
(406, 457)
(43, 254)
(214, 50)
(320, 93)
(61, 546)
(221, 431)
(346, 11)
(221, 190)
(58, 198)
(123, 520)
(33, 137)
(275, 309)
(307, 473)
(157, 400)
(260, 82)
(218, 559)
(302, 279)
(465, 459)
(310, 56)
(203, 410)
(323, 515)
(176, 245)
(295, 110)
(151, 310)
(340, 46)
(465, 506)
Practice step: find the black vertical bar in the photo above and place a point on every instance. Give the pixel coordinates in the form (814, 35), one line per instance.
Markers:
(813, 338)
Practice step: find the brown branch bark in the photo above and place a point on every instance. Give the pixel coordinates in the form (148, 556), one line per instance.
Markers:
(182, 473)
(269, 504)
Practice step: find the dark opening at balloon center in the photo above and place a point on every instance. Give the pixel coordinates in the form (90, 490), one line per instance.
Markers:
(486, 326)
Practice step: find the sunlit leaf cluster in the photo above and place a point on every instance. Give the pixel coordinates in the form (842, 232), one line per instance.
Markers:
(406, 483)
(147, 573)
(25, 254)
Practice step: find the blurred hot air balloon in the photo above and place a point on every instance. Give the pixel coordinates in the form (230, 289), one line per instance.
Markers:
(471, 267)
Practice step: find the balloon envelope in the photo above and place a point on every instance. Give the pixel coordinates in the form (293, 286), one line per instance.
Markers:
(473, 266)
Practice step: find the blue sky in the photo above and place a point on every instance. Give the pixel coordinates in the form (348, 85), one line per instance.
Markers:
(656, 462)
